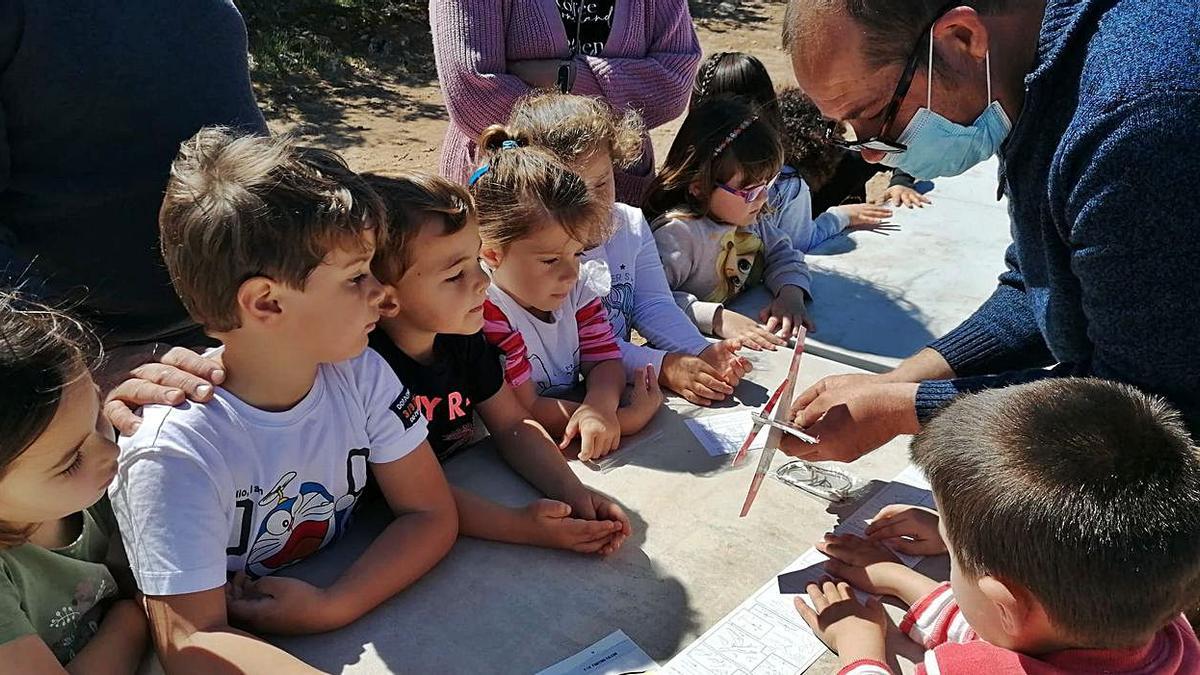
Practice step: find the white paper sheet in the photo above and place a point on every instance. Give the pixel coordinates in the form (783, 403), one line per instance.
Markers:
(765, 634)
(723, 434)
(614, 654)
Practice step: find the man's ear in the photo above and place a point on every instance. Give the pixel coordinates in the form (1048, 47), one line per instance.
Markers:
(1014, 605)
(258, 301)
(492, 257)
(390, 306)
(961, 31)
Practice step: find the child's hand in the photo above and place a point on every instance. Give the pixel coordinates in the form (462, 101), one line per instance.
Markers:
(599, 432)
(644, 402)
(723, 356)
(730, 324)
(786, 313)
(852, 630)
(551, 526)
(907, 529)
(591, 505)
(867, 565)
(693, 378)
(866, 216)
(279, 605)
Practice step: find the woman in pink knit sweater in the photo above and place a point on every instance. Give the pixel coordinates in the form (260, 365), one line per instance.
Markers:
(639, 54)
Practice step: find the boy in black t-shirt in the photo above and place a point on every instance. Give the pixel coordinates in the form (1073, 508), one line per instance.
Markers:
(430, 333)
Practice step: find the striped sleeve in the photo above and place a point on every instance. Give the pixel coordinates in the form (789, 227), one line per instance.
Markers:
(499, 332)
(936, 619)
(596, 339)
(866, 667)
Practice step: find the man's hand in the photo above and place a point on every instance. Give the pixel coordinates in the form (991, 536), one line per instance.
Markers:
(786, 313)
(907, 529)
(746, 331)
(179, 374)
(851, 630)
(550, 525)
(852, 421)
(599, 432)
(280, 606)
(902, 195)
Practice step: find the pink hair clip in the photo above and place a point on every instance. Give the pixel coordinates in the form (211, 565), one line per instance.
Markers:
(737, 131)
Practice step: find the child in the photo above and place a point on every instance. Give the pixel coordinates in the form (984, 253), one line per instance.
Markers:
(430, 333)
(59, 596)
(707, 206)
(591, 139)
(536, 218)
(1071, 509)
(790, 200)
(269, 246)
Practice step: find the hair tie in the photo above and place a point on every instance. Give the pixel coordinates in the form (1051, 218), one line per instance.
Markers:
(509, 145)
(478, 174)
(737, 131)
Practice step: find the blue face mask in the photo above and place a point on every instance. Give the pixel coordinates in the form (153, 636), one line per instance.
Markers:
(939, 148)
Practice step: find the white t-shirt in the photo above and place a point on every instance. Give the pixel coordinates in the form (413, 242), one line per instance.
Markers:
(208, 489)
(639, 296)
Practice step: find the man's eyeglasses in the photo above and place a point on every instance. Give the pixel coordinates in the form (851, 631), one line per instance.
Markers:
(750, 195)
(842, 135)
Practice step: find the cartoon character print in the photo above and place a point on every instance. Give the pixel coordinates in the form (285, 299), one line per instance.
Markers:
(619, 304)
(739, 264)
(551, 383)
(297, 526)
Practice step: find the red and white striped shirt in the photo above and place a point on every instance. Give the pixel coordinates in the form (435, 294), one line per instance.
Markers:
(954, 648)
(549, 352)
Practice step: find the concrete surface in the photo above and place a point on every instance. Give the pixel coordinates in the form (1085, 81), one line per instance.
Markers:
(881, 297)
(496, 608)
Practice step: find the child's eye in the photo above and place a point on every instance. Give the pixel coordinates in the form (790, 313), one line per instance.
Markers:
(358, 279)
(550, 261)
(75, 463)
(456, 277)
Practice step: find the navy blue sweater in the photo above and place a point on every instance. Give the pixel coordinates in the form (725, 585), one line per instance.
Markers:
(1100, 175)
(95, 98)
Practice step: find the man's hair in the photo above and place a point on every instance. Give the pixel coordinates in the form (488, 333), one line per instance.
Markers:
(891, 28)
(1083, 491)
(411, 200)
(573, 127)
(240, 206)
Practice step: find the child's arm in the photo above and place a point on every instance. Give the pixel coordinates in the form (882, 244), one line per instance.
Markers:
(871, 567)
(422, 532)
(545, 522)
(857, 633)
(192, 635)
(117, 646)
(788, 278)
(595, 421)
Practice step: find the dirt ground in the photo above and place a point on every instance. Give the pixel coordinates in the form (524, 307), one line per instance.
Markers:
(391, 118)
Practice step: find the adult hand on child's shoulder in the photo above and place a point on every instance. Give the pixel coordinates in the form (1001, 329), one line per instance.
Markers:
(731, 325)
(551, 526)
(786, 313)
(851, 630)
(141, 376)
(281, 606)
(907, 529)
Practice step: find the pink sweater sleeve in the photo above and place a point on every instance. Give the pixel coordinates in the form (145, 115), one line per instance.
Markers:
(659, 84)
(469, 48)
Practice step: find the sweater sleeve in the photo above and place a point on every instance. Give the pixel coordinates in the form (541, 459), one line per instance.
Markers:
(469, 50)
(657, 85)
(678, 249)
(655, 313)
(1128, 217)
(1001, 335)
(785, 265)
(936, 619)
(902, 179)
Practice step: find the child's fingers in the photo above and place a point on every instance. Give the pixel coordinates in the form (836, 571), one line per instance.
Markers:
(888, 530)
(806, 613)
(817, 596)
(651, 379)
(785, 327)
(587, 446)
(772, 325)
(569, 434)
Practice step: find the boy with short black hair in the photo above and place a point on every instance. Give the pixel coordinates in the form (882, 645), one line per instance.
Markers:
(431, 335)
(269, 246)
(1071, 510)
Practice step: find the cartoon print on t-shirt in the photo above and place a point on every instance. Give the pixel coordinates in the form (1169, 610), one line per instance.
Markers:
(739, 264)
(557, 382)
(297, 526)
(619, 303)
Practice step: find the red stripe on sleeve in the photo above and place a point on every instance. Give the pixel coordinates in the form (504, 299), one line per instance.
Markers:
(499, 332)
(597, 342)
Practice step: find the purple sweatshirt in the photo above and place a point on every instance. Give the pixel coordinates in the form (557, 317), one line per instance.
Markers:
(648, 64)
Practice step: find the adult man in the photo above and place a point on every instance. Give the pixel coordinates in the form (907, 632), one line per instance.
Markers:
(1093, 107)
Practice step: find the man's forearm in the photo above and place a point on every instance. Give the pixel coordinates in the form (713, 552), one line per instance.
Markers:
(926, 364)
